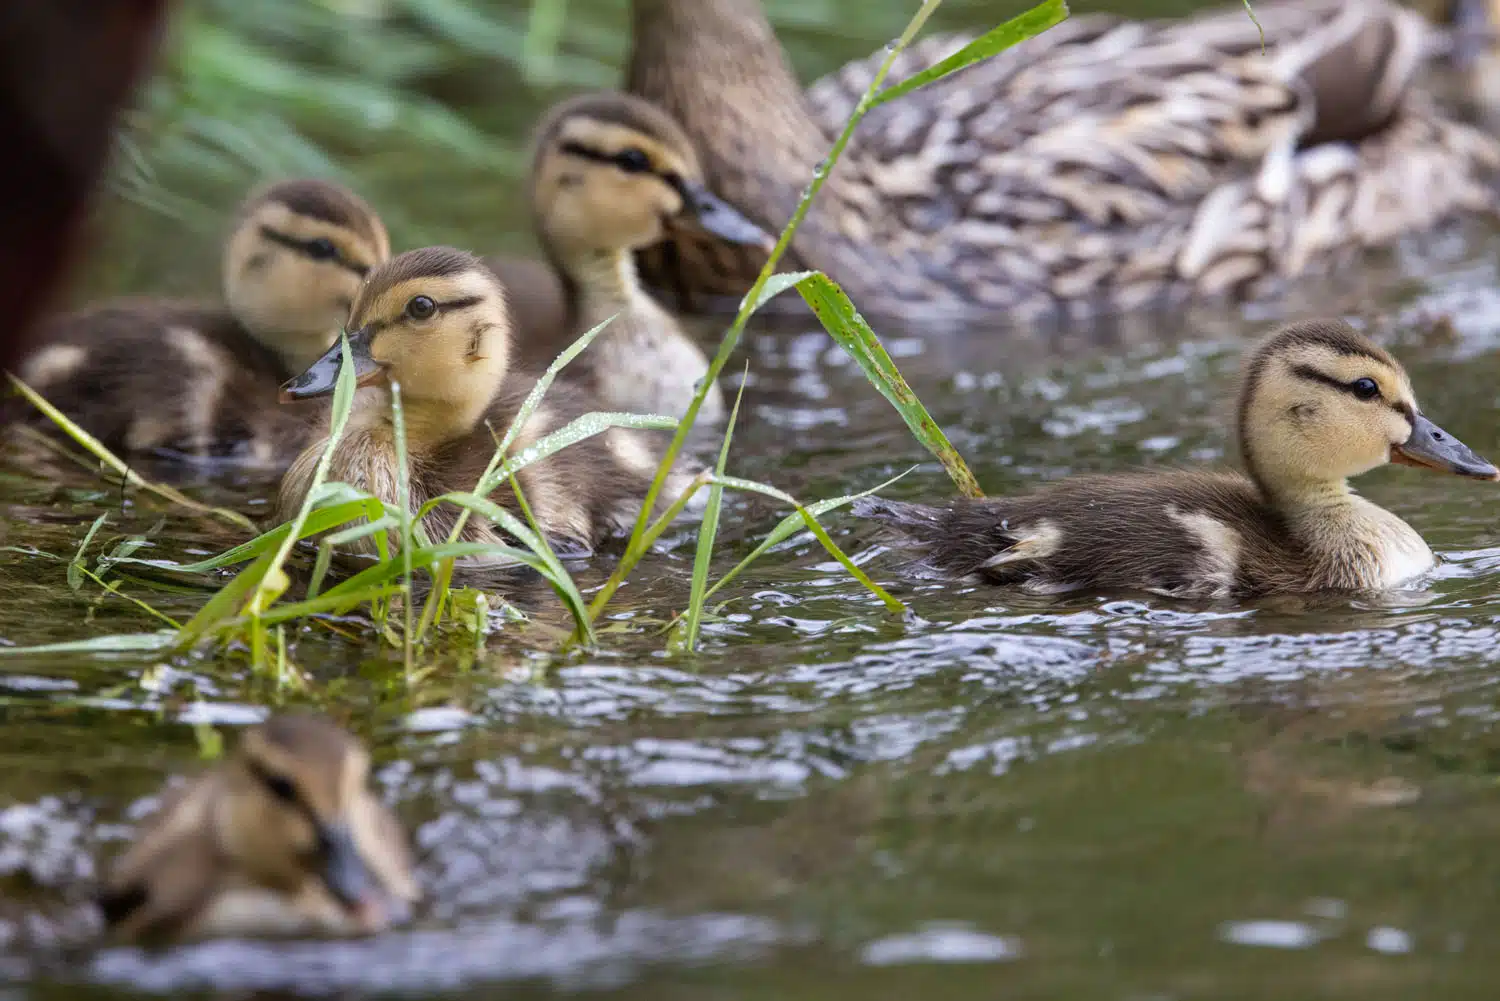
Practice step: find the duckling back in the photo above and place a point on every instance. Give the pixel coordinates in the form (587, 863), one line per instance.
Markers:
(172, 379)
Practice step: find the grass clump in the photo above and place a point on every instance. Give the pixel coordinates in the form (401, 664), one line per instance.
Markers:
(252, 607)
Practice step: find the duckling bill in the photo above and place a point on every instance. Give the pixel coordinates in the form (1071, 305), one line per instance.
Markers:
(282, 838)
(1318, 404)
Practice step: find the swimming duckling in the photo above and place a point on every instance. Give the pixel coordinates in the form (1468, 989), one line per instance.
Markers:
(612, 174)
(193, 378)
(281, 838)
(435, 322)
(1319, 404)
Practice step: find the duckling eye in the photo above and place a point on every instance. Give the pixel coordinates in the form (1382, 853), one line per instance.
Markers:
(281, 787)
(421, 308)
(633, 161)
(321, 249)
(1365, 389)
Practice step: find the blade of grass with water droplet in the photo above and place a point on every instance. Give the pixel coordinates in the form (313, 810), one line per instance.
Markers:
(794, 523)
(844, 324)
(1019, 28)
(708, 531)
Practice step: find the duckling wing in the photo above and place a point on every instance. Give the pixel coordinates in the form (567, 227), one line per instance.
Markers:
(1180, 534)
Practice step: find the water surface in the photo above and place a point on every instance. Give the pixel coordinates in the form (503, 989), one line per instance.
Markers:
(1108, 796)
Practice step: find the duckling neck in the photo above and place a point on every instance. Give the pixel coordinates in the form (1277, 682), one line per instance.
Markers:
(1360, 543)
(642, 362)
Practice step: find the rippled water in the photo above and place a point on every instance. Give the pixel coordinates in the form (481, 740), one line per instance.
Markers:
(1008, 795)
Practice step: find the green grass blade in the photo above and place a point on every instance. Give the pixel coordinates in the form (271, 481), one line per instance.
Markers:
(1019, 28)
(318, 522)
(635, 549)
(273, 581)
(438, 599)
(404, 522)
(1256, 21)
(118, 643)
(572, 433)
(540, 557)
(792, 524)
(813, 526)
(853, 334)
(226, 602)
(96, 448)
(76, 567)
(777, 284)
(707, 533)
(534, 398)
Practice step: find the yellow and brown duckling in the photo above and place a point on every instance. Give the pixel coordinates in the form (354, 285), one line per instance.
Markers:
(1105, 165)
(1319, 404)
(283, 837)
(612, 174)
(435, 322)
(201, 380)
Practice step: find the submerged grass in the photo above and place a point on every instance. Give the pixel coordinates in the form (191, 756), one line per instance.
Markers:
(250, 607)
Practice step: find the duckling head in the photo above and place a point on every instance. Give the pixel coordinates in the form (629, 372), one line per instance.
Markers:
(299, 811)
(613, 173)
(294, 263)
(433, 321)
(1320, 403)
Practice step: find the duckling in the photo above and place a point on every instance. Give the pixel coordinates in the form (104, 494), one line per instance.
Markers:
(1104, 166)
(435, 322)
(612, 174)
(293, 262)
(283, 837)
(1318, 404)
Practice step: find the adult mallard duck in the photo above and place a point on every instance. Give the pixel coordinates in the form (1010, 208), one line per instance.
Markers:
(1104, 165)
(435, 322)
(282, 838)
(611, 174)
(200, 379)
(1319, 404)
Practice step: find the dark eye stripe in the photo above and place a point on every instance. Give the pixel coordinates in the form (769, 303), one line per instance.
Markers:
(454, 305)
(303, 247)
(1313, 375)
(598, 156)
(274, 785)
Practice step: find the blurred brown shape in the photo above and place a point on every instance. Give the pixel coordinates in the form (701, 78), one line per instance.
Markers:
(67, 68)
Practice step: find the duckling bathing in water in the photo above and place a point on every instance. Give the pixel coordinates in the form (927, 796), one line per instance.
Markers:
(612, 174)
(282, 838)
(1319, 404)
(198, 379)
(435, 322)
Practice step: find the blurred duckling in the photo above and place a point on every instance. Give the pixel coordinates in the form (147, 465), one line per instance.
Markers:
(283, 837)
(159, 376)
(435, 322)
(612, 174)
(1318, 404)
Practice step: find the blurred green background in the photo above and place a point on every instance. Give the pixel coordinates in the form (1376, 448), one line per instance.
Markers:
(424, 106)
